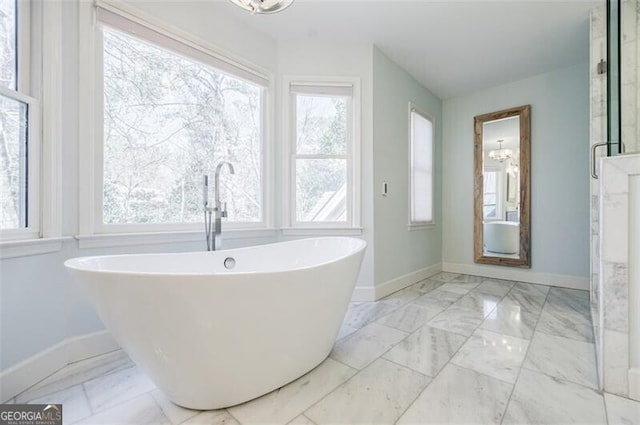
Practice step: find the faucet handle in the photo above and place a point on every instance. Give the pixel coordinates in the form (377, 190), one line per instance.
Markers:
(224, 210)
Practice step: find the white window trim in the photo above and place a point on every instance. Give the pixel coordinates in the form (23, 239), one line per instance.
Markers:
(291, 226)
(40, 74)
(421, 225)
(91, 130)
(498, 169)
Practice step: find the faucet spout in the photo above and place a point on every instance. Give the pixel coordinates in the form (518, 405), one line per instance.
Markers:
(217, 181)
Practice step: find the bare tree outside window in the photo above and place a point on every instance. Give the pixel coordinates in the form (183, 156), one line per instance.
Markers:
(13, 128)
(8, 39)
(169, 120)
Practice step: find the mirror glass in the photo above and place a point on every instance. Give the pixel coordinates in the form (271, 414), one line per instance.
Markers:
(502, 207)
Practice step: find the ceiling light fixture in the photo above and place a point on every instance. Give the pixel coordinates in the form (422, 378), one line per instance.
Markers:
(263, 6)
(500, 154)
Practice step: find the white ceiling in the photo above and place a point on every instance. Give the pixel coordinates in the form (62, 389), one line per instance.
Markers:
(451, 47)
(507, 130)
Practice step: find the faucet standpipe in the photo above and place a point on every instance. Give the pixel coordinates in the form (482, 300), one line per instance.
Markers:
(219, 211)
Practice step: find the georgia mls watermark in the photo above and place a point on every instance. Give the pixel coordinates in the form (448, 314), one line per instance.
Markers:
(30, 414)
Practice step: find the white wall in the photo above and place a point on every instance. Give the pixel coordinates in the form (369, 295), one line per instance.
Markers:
(559, 171)
(400, 251)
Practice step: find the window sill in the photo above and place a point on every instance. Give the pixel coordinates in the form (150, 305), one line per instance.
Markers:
(426, 226)
(27, 247)
(110, 240)
(322, 231)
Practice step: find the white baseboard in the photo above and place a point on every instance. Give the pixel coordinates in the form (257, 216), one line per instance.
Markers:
(29, 372)
(374, 293)
(363, 293)
(509, 273)
(634, 383)
(393, 285)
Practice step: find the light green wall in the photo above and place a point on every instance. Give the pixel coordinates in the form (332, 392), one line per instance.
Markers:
(399, 251)
(559, 168)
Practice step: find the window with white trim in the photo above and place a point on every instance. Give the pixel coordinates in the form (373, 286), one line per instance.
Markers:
(171, 111)
(421, 170)
(323, 155)
(19, 127)
(491, 200)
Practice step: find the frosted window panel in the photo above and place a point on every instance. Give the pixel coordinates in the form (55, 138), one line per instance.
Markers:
(168, 121)
(13, 163)
(8, 55)
(321, 125)
(321, 190)
(421, 169)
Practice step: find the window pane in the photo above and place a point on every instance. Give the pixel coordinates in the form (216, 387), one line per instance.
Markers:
(168, 121)
(321, 125)
(421, 169)
(490, 211)
(8, 44)
(490, 182)
(13, 163)
(321, 190)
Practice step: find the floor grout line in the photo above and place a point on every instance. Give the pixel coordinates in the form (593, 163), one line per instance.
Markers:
(506, 409)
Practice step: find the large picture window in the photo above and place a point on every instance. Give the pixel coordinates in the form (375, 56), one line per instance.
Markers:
(169, 117)
(322, 155)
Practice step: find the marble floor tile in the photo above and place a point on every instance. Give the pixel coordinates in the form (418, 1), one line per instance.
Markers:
(622, 411)
(362, 313)
(364, 346)
(541, 399)
(555, 321)
(75, 405)
(467, 278)
(427, 285)
(409, 317)
(569, 300)
(563, 358)
(344, 331)
(377, 395)
(176, 414)
(496, 287)
(107, 391)
(400, 298)
(459, 396)
(511, 320)
(493, 354)
(528, 296)
(301, 420)
(212, 417)
(285, 404)
(426, 350)
(444, 276)
(77, 373)
(438, 299)
(459, 287)
(478, 301)
(142, 410)
(457, 320)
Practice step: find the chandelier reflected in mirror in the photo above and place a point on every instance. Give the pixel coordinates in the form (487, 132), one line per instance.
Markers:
(500, 154)
(263, 6)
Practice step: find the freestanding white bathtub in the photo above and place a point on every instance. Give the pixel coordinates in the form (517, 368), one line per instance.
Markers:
(211, 336)
(501, 237)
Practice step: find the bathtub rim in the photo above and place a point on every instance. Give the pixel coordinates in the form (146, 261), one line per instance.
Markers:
(76, 262)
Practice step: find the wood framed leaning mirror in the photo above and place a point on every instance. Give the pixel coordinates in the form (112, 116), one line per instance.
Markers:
(502, 205)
